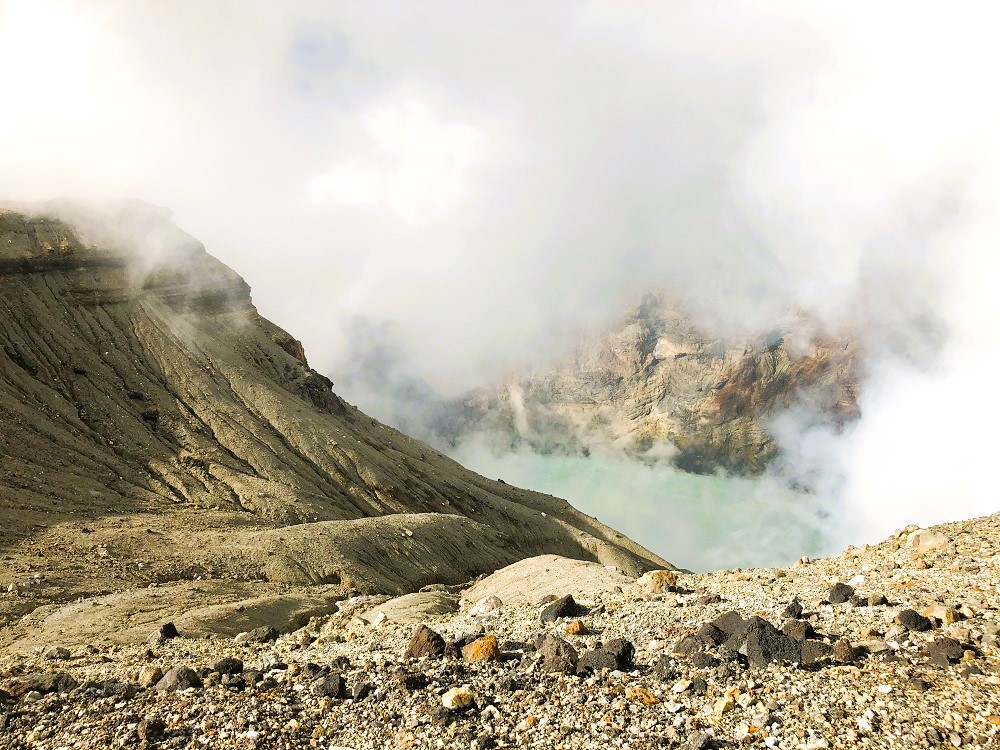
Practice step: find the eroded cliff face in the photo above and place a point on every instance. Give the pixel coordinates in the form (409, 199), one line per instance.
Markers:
(658, 388)
(154, 427)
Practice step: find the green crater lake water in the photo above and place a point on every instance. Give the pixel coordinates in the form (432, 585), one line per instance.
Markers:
(702, 523)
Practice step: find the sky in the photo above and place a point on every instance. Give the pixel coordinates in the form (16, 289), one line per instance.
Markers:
(469, 185)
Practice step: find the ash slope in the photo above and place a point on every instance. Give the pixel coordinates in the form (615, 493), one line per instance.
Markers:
(155, 429)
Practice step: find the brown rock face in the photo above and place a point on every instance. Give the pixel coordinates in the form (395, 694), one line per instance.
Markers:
(558, 655)
(425, 642)
(657, 381)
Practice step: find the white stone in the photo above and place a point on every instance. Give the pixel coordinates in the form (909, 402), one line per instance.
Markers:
(681, 685)
(485, 605)
(458, 698)
(924, 540)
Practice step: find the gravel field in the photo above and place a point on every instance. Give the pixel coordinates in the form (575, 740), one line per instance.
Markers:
(902, 654)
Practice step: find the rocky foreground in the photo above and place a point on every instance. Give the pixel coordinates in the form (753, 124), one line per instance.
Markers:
(893, 645)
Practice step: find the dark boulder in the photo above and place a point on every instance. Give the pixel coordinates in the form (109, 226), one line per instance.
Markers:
(426, 642)
(362, 690)
(764, 644)
(563, 607)
(689, 645)
(800, 630)
(703, 660)
(228, 665)
(114, 687)
(410, 681)
(595, 660)
(264, 634)
(729, 622)
(623, 651)
(330, 686)
(844, 652)
(814, 651)
(711, 635)
(794, 610)
(840, 593)
(167, 631)
(41, 682)
(617, 653)
(151, 729)
(558, 655)
(666, 669)
(178, 678)
(913, 620)
(943, 651)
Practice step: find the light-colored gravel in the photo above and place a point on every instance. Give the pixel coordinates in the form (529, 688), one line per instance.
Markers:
(891, 696)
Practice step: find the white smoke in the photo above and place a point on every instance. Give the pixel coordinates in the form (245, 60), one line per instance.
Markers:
(875, 183)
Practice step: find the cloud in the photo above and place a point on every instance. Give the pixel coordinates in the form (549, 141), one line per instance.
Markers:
(410, 162)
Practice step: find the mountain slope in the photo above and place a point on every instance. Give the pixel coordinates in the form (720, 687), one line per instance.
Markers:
(657, 387)
(156, 428)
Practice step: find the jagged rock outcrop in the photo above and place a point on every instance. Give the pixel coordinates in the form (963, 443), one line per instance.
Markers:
(156, 428)
(657, 387)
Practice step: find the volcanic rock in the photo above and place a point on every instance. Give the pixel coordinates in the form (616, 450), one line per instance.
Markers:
(763, 644)
(617, 653)
(482, 649)
(361, 690)
(943, 651)
(793, 610)
(151, 729)
(840, 593)
(843, 651)
(729, 622)
(228, 665)
(800, 630)
(814, 651)
(263, 634)
(425, 642)
(595, 660)
(563, 607)
(329, 686)
(164, 633)
(178, 678)
(913, 620)
(40, 682)
(557, 655)
(149, 675)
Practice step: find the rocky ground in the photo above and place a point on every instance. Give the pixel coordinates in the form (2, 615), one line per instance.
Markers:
(890, 646)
